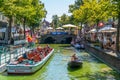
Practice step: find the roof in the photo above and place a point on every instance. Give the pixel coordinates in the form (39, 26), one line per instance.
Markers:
(45, 23)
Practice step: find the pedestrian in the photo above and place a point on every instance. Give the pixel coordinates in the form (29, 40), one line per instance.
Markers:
(113, 43)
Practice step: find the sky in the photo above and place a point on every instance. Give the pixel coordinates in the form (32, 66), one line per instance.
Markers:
(56, 7)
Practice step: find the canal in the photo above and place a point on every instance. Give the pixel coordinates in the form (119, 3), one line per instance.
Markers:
(56, 68)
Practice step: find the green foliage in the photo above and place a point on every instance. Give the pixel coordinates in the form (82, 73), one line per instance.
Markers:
(39, 14)
(115, 9)
(75, 6)
(30, 11)
(93, 11)
(55, 21)
(8, 8)
(64, 19)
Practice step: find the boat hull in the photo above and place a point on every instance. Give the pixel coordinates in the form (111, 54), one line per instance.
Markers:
(75, 64)
(27, 69)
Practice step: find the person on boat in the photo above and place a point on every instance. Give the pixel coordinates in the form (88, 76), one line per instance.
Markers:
(74, 57)
(47, 46)
(39, 48)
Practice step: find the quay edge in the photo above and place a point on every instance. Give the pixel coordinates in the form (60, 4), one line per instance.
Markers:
(110, 60)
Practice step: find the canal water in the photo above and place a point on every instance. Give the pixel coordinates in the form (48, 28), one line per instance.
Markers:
(56, 68)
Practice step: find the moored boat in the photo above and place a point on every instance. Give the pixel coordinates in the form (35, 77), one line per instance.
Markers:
(30, 62)
(79, 46)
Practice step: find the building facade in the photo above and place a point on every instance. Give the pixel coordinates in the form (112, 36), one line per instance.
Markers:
(3, 21)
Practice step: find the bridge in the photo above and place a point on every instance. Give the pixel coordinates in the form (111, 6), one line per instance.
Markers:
(58, 38)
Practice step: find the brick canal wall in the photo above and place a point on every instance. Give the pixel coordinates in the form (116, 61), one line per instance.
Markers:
(110, 60)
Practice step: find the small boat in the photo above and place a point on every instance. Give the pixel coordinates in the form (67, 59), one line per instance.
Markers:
(29, 63)
(79, 46)
(75, 64)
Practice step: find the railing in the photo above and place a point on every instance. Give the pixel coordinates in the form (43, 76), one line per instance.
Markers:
(7, 55)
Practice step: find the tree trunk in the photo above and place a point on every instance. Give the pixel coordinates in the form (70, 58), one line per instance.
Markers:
(118, 34)
(24, 27)
(32, 31)
(9, 29)
(80, 29)
(97, 28)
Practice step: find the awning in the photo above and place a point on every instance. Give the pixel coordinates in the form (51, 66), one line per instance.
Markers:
(108, 29)
(92, 31)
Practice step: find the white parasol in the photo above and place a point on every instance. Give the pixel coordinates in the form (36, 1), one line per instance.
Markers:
(92, 31)
(59, 28)
(107, 29)
(69, 26)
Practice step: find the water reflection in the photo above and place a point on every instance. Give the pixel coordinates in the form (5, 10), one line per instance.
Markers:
(56, 68)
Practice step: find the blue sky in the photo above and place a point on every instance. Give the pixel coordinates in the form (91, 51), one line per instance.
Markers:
(58, 7)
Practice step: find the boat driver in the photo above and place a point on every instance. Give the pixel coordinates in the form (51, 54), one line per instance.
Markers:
(74, 57)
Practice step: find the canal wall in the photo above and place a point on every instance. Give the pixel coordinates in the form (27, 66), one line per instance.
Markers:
(110, 60)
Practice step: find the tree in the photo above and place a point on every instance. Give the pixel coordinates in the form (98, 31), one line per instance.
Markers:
(8, 8)
(93, 11)
(82, 14)
(64, 19)
(1, 3)
(30, 11)
(98, 10)
(76, 5)
(55, 21)
(40, 13)
(24, 10)
(116, 11)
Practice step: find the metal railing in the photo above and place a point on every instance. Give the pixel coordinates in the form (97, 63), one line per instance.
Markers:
(6, 54)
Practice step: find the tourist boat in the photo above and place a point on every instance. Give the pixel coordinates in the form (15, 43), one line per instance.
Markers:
(29, 62)
(75, 64)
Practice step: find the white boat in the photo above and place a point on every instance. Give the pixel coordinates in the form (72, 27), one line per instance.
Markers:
(14, 68)
(79, 46)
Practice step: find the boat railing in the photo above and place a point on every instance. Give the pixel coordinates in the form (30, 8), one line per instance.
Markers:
(7, 55)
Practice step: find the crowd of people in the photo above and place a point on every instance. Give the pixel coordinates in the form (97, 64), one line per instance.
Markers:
(77, 42)
(35, 55)
(107, 42)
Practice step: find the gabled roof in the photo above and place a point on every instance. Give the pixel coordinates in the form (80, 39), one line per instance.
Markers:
(46, 22)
